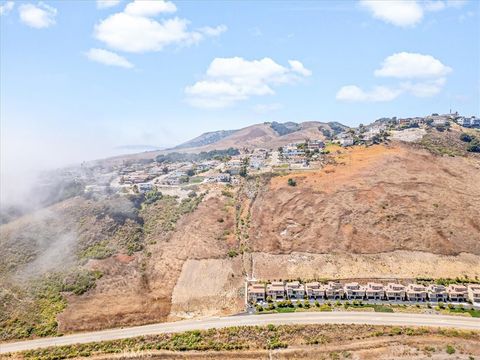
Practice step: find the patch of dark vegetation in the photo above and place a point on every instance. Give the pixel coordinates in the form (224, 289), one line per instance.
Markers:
(337, 127)
(206, 139)
(284, 128)
(120, 209)
(448, 281)
(473, 142)
(443, 144)
(165, 212)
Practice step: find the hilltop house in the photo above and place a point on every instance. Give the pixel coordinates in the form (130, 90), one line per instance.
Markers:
(374, 291)
(416, 292)
(436, 293)
(395, 292)
(276, 290)
(256, 293)
(234, 166)
(313, 145)
(333, 290)
(223, 177)
(314, 290)
(469, 121)
(457, 293)
(295, 290)
(353, 291)
(474, 293)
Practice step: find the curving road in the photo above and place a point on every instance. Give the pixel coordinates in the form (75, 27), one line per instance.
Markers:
(396, 319)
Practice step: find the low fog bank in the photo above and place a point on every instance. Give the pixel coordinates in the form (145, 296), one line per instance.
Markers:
(28, 168)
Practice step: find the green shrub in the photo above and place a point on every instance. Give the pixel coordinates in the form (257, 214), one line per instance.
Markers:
(466, 137)
(450, 350)
(292, 182)
(232, 253)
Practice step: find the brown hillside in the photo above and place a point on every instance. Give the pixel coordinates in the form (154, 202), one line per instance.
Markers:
(377, 199)
(375, 212)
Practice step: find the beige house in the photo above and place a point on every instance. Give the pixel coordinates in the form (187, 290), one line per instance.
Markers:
(395, 291)
(354, 291)
(457, 293)
(416, 292)
(474, 293)
(374, 291)
(256, 293)
(314, 290)
(437, 293)
(295, 290)
(333, 290)
(276, 290)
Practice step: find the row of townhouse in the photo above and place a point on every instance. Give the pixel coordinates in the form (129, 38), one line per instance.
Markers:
(278, 290)
(469, 121)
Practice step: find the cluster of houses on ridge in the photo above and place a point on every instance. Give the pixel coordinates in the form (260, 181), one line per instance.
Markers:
(278, 290)
(301, 152)
(373, 132)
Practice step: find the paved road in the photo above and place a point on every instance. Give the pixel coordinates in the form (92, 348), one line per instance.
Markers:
(396, 319)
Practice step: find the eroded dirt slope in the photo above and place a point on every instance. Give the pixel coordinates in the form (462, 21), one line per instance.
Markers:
(376, 199)
(138, 289)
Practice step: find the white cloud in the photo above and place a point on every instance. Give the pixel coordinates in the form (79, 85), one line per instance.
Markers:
(6, 8)
(427, 88)
(105, 4)
(149, 8)
(135, 29)
(229, 80)
(213, 31)
(426, 77)
(402, 13)
(412, 65)
(298, 67)
(378, 94)
(108, 58)
(37, 16)
(406, 13)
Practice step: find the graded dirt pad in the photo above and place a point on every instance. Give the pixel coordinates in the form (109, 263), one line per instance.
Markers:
(208, 287)
(391, 265)
(376, 199)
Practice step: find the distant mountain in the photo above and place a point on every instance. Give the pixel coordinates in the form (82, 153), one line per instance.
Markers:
(267, 135)
(206, 139)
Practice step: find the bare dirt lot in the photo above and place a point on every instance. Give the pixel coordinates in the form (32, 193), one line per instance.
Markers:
(391, 265)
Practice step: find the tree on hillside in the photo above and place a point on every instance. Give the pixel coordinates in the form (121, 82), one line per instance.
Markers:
(466, 137)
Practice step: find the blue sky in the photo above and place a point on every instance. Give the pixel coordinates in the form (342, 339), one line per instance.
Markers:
(79, 78)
